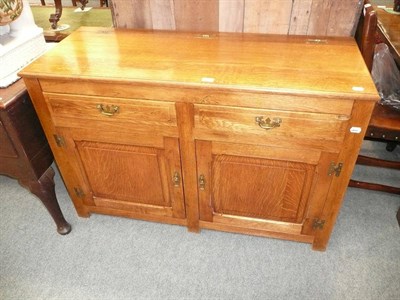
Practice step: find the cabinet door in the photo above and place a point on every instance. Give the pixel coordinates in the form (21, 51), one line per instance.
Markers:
(126, 179)
(260, 188)
(124, 155)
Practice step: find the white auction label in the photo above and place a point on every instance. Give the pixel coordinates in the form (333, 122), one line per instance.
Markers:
(208, 79)
(355, 129)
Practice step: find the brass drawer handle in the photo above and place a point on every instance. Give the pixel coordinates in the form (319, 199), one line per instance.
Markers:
(107, 110)
(268, 123)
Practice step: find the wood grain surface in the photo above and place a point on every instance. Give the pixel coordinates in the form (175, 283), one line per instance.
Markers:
(275, 63)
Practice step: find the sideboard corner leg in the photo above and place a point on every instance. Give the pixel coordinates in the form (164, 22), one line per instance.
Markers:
(319, 244)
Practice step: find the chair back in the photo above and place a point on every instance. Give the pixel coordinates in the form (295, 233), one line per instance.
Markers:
(366, 33)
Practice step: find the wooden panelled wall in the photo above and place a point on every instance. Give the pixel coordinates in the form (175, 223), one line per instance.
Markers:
(300, 17)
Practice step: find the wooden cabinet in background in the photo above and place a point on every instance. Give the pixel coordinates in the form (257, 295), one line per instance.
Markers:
(254, 134)
(24, 152)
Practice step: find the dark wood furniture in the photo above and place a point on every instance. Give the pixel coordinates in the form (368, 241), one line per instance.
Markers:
(84, 2)
(24, 152)
(248, 133)
(384, 125)
(97, 16)
(366, 33)
(389, 31)
(54, 18)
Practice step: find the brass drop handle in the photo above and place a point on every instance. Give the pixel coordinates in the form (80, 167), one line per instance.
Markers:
(176, 179)
(268, 124)
(202, 182)
(107, 110)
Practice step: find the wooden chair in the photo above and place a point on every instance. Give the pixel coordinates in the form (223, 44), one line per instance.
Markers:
(384, 125)
(385, 122)
(366, 33)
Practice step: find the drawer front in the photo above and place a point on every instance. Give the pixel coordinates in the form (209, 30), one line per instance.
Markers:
(202, 95)
(112, 114)
(261, 126)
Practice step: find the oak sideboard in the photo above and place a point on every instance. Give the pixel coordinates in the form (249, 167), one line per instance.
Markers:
(248, 133)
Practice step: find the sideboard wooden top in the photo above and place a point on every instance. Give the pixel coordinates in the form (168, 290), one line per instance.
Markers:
(276, 63)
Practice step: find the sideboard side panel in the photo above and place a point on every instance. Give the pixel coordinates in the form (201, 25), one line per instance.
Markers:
(348, 157)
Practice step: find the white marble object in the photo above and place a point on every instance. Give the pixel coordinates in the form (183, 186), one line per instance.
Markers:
(20, 43)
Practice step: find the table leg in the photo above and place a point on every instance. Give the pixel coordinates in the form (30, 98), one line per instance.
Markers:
(83, 2)
(54, 18)
(45, 191)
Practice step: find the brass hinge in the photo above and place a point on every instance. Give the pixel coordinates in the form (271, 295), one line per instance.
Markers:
(59, 140)
(202, 182)
(318, 224)
(335, 169)
(176, 179)
(79, 192)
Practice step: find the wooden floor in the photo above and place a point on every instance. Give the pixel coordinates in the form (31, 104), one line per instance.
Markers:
(100, 17)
